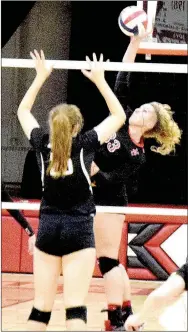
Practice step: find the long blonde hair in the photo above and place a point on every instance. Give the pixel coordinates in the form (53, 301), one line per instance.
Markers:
(166, 131)
(63, 120)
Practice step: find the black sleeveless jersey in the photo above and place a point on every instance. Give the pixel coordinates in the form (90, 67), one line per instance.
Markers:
(72, 193)
(120, 158)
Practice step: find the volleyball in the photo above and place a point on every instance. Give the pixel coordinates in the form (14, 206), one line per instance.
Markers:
(132, 21)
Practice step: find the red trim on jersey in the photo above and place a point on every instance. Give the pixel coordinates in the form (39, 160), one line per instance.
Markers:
(133, 16)
(140, 145)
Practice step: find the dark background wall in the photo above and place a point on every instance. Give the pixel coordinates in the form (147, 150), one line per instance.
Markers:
(94, 28)
(42, 25)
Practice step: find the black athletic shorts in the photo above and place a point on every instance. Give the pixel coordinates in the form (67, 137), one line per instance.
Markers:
(183, 272)
(61, 235)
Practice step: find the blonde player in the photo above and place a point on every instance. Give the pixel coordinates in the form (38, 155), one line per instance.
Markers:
(118, 163)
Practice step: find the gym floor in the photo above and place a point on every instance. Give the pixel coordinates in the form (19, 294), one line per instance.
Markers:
(18, 292)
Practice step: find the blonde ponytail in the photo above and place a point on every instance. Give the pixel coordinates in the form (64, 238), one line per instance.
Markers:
(63, 120)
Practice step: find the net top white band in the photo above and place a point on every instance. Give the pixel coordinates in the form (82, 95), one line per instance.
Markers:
(108, 66)
(106, 209)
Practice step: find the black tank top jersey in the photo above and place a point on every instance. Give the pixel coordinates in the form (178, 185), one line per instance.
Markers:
(71, 194)
(119, 159)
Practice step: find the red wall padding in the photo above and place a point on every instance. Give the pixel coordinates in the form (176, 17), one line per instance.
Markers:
(143, 274)
(15, 256)
(11, 245)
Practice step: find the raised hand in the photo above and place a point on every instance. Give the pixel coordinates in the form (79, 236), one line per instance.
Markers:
(96, 72)
(42, 68)
(144, 34)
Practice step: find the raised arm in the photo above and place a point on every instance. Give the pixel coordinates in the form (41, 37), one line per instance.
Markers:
(117, 118)
(122, 83)
(27, 120)
(132, 49)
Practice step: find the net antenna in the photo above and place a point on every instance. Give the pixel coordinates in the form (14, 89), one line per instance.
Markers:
(151, 13)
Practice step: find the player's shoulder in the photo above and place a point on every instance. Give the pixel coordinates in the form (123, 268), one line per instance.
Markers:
(123, 132)
(39, 138)
(88, 134)
(88, 140)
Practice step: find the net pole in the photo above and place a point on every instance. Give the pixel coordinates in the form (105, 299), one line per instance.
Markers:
(151, 13)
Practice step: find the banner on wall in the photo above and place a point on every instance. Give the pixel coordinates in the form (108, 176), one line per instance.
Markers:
(171, 22)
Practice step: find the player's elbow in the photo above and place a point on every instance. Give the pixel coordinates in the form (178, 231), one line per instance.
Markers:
(19, 113)
(23, 108)
(20, 110)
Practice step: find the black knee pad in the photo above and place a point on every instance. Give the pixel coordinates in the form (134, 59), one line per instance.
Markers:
(40, 316)
(77, 313)
(106, 264)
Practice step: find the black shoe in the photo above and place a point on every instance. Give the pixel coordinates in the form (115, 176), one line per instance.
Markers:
(115, 321)
(126, 313)
(109, 327)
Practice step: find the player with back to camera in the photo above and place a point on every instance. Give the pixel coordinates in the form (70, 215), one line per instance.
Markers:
(65, 239)
(117, 164)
